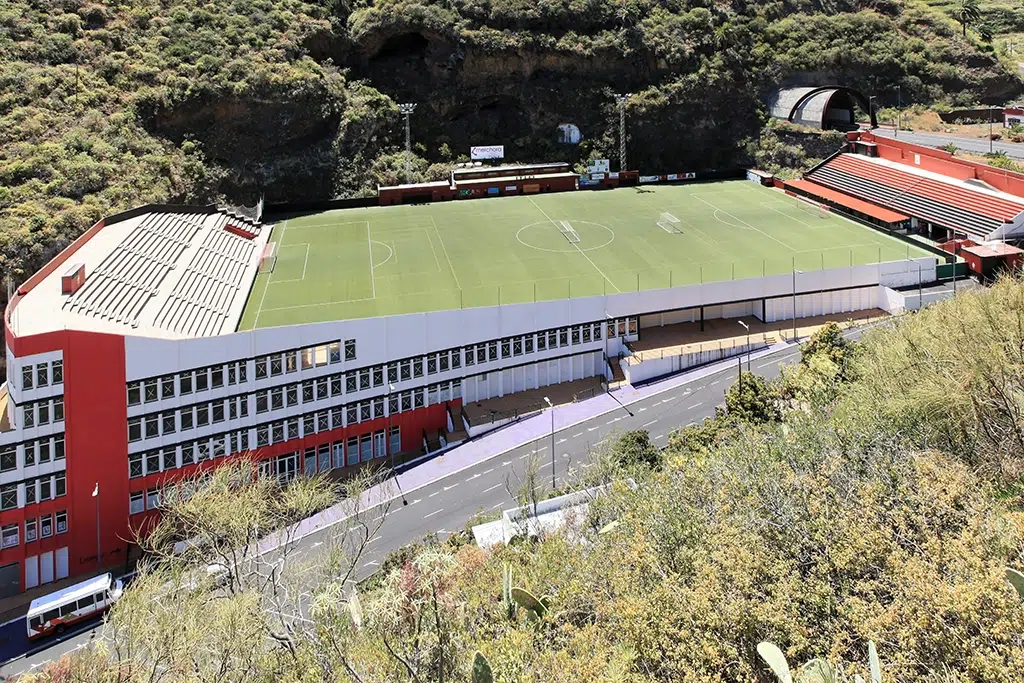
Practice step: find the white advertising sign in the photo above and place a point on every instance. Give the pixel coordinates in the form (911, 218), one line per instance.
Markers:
(487, 152)
(599, 166)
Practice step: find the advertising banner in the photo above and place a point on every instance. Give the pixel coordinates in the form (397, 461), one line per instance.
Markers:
(487, 152)
(533, 188)
(672, 176)
(650, 178)
(597, 176)
(614, 175)
(511, 188)
(599, 166)
(691, 176)
(493, 190)
(587, 182)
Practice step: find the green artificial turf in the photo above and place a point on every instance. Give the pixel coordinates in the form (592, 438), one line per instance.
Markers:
(357, 263)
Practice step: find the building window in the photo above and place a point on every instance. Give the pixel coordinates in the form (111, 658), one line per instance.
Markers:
(528, 343)
(26, 377)
(57, 370)
(45, 488)
(261, 402)
(152, 462)
(202, 379)
(9, 535)
(45, 526)
(185, 382)
(338, 448)
(321, 389)
(202, 415)
(336, 385)
(586, 333)
(353, 450)
(417, 367)
(275, 366)
(393, 373)
(405, 369)
(31, 529)
(334, 352)
(378, 376)
(431, 365)
(167, 387)
(169, 422)
(58, 410)
(261, 367)
(136, 503)
(217, 376)
(492, 351)
(30, 454)
(442, 362)
(9, 458)
(134, 394)
(28, 415)
(291, 395)
(8, 497)
(307, 358)
(185, 415)
(44, 413)
(135, 466)
(30, 492)
(276, 398)
(218, 411)
(188, 456)
(42, 375)
(263, 435)
(60, 485)
(44, 451)
(506, 348)
(152, 427)
(563, 337)
(62, 521)
(152, 499)
(149, 392)
(457, 358)
(232, 374)
(135, 429)
(350, 349)
(58, 448)
(352, 414)
(396, 439)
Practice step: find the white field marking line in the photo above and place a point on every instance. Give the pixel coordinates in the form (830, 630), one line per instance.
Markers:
(255, 323)
(491, 489)
(430, 241)
(369, 248)
(391, 252)
(792, 218)
(394, 251)
(746, 224)
(431, 514)
(600, 272)
(294, 279)
(648, 424)
(445, 250)
(324, 225)
(305, 261)
(323, 303)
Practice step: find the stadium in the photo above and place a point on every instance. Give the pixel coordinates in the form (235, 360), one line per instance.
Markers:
(168, 338)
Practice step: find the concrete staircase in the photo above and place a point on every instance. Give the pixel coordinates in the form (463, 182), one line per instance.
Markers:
(458, 433)
(618, 377)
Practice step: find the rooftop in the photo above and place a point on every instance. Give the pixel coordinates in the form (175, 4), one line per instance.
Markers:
(384, 260)
(162, 273)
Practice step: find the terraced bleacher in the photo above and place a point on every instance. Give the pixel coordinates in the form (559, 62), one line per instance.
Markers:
(201, 301)
(123, 283)
(977, 214)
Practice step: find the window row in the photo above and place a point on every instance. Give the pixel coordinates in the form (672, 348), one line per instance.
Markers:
(152, 498)
(188, 453)
(277, 364)
(42, 374)
(32, 452)
(36, 528)
(39, 413)
(187, 382)
(190, 417)
(36, 490)
(361, 448)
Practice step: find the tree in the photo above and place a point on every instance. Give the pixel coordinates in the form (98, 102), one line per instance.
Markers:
(967, 12)
(634, 449)
(752, 400)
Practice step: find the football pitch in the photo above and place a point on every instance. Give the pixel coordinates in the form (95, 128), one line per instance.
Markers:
(355, 263)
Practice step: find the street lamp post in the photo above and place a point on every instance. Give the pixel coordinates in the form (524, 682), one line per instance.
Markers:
(747, 328)
(899, 109)
(96, 495)
(406, 109)
(621, 99)
(387, 437)
(551, 409)
(990, 130)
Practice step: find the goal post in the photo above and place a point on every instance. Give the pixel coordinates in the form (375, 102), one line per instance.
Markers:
(268, 259)
(812, 207)
(670, 224)
(565, 227)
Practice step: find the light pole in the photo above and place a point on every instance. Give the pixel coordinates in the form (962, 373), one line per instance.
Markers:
(990, 130)
(551, 409)
(871, 110)
(899, 109)
(387, 444)
(747, 328)
(96, 495)
(406, 109)
(795, 271)
(622, 99)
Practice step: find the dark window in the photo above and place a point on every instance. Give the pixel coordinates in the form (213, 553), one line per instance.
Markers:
(9, 497)
(232, 409)
(586, 333)
(45, 493)
(261, 402)
(187, 453)
(506, 348)
(517, 346)
(364, 379)
(352, 414)
(28, 415)
(321, 388)
(334, 350)
(364, 411)
(350, 382)
(62, 521)
(378, 376)
(278, 432)
(186, 418)
(529, 344)
(218, 411)
(417, 367)
(9, 458)
(406, 370)
(275, 366)
(417, 397)
(42, 375)
(134, 394)
(481, 353)
(87, 602)
(350, 349)
(392, 373)
(431, 365)
(308, 424)
(232, 374)
(263, 435)
(152, 462)
(51, 615)
(26, 377)
(323, 421)
(202, 379)
(217, 376)
(149, 391)
(336, 385)
(553, 339)
(241, 372)
(44, 451)
(276, 398)
(289, 362)
(243, 406)
(293, 429)
(457, 358)
(60, 485)
(152, 426)
(168, 420)
(202, 415)
(58, 448)
(563, 337)
(292, 395)
(261, 368)
(576, 335)
(134, 465)
(392, 404)
(30, 453)
(30, 492)
(185, 382)
(492, 351)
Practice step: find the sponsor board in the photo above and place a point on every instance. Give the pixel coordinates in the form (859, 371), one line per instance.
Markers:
(587, 182)
(672, 176)
(650, 178)
(493, 190)
(614, 176)
(690, 176)
(533, 188)
(597, 176)
(487, 152)
(511, 188)
(599, 166)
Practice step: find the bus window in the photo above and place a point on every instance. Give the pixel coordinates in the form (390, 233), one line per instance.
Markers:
(86, 602)
(51, 615)
(36, 623)
(67, 609)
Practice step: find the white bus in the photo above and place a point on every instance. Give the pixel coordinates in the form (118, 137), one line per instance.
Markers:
(57, 611)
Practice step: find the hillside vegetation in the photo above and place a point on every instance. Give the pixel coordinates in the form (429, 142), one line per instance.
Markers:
(871, 493)
(107, 105)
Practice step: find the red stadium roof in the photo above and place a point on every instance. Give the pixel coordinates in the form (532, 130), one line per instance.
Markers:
(849, 202)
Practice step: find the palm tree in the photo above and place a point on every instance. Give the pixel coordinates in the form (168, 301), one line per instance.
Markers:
(967, 12)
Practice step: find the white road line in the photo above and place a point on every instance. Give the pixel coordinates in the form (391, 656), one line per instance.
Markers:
(696, 405)
(659, 436)
(648, 424)
(601, 442)
(416, 501)
(375, 539)
(611, 422)
(590, 429)
(576, 436)
(431, 514)
(541, 449)
(506, 463)
(447, 488)
(714, 383)
(524, 457)
(488, 471)
(561, 441)
(372, 563)
(475, 476)
(494, 507)
(764, 365)
(640, 410)
(491, 489)
(318, 543)
(433, 494)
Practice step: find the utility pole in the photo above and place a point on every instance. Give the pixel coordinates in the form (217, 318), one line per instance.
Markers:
(990, 130)
(96, 495)
(622, 99)
(406, 110)
(551, 409)
(899, 109)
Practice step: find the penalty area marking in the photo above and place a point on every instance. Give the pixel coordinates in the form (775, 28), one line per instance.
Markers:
(391, 252)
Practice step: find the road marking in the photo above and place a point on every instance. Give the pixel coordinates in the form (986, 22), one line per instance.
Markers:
(318, 543)
(524, 457)
(541, 449)
(601, 442)
(372, 563)
(506, 463)
(659, 436)
(488, 471)
(491, 489)
(576, 436)
(561, 441)
(415, 501)
(433, 494)
(446, 488)
(648, 424)
(431, 514)
(590, 429)
(696, 405)
(494, 507)
(715, 382)
(375, 539)
(640, 410)
(764, 365)
(475, 476)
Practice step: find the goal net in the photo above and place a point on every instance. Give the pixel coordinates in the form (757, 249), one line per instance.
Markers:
(570, 232)
(670, 223)
(268, 259)
(813, 208)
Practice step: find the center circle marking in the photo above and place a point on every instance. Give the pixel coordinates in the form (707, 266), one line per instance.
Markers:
(569, 247)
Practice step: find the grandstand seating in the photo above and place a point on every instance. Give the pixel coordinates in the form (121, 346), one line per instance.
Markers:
(200, 303)
(124, 282)
(975, 213)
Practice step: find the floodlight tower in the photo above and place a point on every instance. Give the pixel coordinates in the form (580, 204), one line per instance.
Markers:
(622, 99)
(406, 109)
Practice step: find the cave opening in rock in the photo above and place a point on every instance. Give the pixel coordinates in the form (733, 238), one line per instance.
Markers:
(403, 46)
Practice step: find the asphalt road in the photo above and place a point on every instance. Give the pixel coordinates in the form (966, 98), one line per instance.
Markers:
(446, 505)
(974, 145)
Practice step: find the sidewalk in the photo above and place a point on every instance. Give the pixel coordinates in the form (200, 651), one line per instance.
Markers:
(495, 443)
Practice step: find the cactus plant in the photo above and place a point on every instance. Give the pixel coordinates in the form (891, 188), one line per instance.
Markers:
(506, 590)
(608, 528)
(1016, 580)
(776, 661)
(816, 670)
(481, 672)
(873, 663)
(355, 609)
(529, 602)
